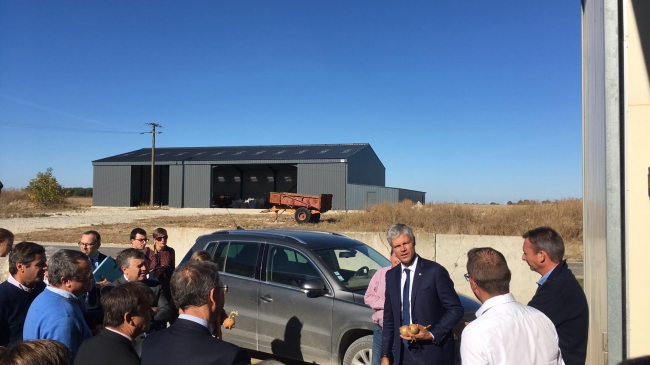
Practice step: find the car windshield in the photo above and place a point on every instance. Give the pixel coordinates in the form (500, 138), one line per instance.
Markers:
(354, 265)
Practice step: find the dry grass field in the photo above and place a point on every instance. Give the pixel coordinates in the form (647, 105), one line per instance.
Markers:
(500, 220)
(14, 204)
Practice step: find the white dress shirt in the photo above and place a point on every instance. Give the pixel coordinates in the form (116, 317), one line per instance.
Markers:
(403, 281)
(507, 332)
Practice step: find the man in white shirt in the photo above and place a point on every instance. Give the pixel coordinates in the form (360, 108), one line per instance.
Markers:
(505, 331)
(127, 311)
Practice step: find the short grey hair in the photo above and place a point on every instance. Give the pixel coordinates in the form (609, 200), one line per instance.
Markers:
(124, 257)
(548, 240)
(64, 264)
(191, 283)
(397, 230)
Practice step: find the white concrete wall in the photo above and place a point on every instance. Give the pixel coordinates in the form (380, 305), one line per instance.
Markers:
(637, 159)
(182, 239)
(452, 254)
(448, 250)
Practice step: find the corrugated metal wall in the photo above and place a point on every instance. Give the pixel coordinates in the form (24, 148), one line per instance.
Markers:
(324, 178)
(361, 196)
(176, 181)
(602, 181)
(364, 167)
(112, 186)
(197, 186)
(412, 195)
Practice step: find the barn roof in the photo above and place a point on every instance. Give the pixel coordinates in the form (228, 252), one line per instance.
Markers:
(240, 153)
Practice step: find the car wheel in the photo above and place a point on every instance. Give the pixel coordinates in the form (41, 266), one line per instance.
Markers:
(302, 215)
(360, 352)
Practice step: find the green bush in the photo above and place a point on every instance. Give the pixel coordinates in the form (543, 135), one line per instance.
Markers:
(44, 189)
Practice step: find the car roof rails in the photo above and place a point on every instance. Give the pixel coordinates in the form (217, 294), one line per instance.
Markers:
(308, 230)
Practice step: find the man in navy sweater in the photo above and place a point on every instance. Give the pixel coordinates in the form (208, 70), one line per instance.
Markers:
(559, 295)
(25, 283)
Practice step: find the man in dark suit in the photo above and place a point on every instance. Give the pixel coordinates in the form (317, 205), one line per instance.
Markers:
(419, 292)
(89, 244)
(127, 315)
(200, 295)
(134, 266)
(559, 295)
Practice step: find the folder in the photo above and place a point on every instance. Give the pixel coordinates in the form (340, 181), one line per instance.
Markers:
(108, 269)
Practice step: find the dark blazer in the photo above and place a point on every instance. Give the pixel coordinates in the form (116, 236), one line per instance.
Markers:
(100, 258)
(107, 348)
(159, 299)
(564, 302)
(186, 342)
(433, 302)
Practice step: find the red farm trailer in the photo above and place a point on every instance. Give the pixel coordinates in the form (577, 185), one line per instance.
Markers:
(306, 208)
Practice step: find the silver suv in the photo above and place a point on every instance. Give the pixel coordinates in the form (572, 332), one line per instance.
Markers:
(299, 293)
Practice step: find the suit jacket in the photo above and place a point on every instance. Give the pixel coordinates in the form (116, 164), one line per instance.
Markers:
(186, 342)
(433, 302)
(563, 301)
(107, 348)
(159, 299)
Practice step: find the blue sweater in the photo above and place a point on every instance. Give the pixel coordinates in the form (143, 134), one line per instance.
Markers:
(55, 317)
(14, 303)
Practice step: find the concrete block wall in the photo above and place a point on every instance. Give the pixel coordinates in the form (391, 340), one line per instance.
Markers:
(448, 250)
(452, 254)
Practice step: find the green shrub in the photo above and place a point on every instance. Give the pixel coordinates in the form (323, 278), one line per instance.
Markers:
(44, 189)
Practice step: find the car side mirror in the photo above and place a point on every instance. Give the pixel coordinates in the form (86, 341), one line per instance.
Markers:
(313, 287)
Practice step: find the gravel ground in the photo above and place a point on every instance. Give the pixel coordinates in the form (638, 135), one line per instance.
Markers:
(105, 215)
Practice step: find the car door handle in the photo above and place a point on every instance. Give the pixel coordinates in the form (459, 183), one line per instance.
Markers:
(267, 299)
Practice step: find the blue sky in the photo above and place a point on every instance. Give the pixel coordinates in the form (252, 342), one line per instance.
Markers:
(470, 101)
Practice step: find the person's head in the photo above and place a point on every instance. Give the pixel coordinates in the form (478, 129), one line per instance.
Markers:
(196, 284)
(394, 260)
(6, 242)
(127, 308)
(543, 249)
(133, 264)
(201, 255)
(139, 238)
(488, 273)
(70, 270)
(36, 352)
(160, 237)
(90, 242)
(27, 263)
(402, 241)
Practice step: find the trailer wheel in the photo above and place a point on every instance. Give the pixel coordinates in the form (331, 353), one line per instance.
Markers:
(315, 218)
(303, 215)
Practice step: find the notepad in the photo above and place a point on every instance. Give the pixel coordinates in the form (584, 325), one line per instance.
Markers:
(108, 269)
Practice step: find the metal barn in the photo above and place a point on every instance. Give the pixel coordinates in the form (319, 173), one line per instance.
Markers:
(204, 177)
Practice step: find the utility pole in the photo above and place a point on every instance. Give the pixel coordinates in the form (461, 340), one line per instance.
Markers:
(153, 154)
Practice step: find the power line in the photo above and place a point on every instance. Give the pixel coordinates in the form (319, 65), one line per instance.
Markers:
(60, 129)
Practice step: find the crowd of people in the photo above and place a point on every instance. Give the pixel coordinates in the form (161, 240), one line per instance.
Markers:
(53, 311)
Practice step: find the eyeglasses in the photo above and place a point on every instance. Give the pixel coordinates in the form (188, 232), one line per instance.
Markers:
(142, 239)
(466, 276)
(160, 238)
(224, 287)
(81, 244)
